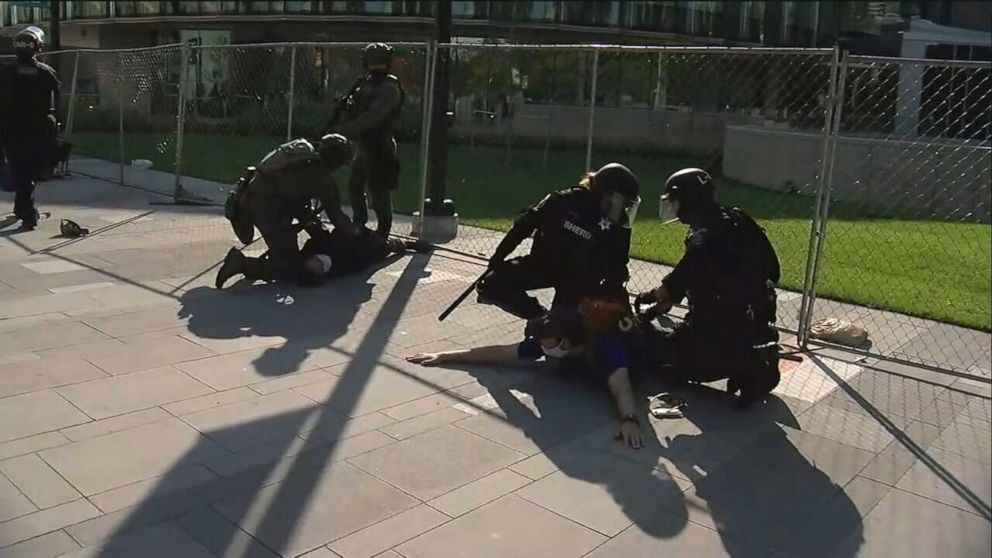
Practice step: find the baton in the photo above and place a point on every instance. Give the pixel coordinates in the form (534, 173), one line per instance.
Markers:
(461, 298)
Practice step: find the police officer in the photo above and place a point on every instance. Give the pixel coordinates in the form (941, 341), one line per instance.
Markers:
(29, 96)
(279, 192)
(728, 274)
(327, 255)
(368, 115)
(581, 243)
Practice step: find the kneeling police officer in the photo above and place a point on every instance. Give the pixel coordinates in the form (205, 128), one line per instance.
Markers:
(581, 243)
(728, 274)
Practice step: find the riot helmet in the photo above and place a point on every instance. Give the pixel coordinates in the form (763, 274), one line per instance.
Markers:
(618, 189)
(376, 55)
(335, 150)
(686, 191)
(29, 41)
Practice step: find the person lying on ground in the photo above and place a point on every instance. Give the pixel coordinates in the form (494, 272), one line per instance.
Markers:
(326, 255)
(586, 341)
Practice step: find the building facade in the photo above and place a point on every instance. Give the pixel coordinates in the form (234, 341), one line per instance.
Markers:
(782, 23)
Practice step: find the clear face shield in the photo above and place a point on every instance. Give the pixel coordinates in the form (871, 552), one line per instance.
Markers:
(620, 209)
(669, 210)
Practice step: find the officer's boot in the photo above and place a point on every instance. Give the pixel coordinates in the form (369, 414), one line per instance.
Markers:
(258, 269)
(234, 264)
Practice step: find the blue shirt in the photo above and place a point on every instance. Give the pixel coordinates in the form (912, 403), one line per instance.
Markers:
(605, 356)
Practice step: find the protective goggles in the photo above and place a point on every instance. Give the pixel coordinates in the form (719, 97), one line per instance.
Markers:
(620, 209)
(669, 210)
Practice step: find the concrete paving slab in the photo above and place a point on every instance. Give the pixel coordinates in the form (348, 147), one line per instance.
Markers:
(436, 462)
(118, 395)
(35, 413)
(100, 464)
(511, 528)
(911, 526)
(339, 500)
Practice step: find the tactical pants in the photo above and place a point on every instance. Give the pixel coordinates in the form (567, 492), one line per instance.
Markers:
(375, 169)
(27, 163)
(747, 356)
(274, 219)
(507, 284)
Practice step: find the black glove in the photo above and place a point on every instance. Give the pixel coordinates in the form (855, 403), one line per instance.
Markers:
(645, 298)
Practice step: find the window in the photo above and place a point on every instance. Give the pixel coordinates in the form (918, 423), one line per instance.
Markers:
(378, 7)
(543, 11)
(752, 19)
(462, 9)
(299, 7)
(137, 9)
(789, 14)
(90, 10)
(704, 18)
(592, 13)
(656, 16)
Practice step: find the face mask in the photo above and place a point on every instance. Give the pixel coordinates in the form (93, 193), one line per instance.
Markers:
(555, 352)
(558, 352)
(325, 262)
(669, 211)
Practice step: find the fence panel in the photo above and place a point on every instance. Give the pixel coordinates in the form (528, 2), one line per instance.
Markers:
(907, 248)
(723, 110)
(91, 109)
(518, 132)
(244, 100)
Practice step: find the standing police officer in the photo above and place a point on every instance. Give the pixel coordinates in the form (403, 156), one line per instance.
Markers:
(581, 243)
(369, 113)
(728, 274)
(29, 97)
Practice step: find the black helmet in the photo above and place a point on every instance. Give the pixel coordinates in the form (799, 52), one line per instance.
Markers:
(686, 190)
(335, 150)
(375, 54)
(689, 185)
(618, 189)
(615, 177)
(29, 41)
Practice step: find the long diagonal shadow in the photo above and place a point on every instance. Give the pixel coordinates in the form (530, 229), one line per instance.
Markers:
(272, 518)
(347, 392)
(981, 507)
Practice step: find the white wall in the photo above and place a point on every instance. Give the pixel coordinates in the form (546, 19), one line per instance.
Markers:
(941, 179)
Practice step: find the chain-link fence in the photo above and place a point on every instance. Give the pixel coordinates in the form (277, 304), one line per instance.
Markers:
(871, 176)
(907, 238)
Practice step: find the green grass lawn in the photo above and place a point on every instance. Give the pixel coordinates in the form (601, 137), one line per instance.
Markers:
(929, 269)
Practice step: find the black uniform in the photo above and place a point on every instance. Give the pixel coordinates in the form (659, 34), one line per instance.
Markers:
(29, 94)
(728, 274)
(351, 252)
(576, 249)
(371, 110)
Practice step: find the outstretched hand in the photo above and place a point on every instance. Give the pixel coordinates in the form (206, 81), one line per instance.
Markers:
(630, 433)
(426, 359)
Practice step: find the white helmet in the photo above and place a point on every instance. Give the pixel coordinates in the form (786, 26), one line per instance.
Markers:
(29, 40)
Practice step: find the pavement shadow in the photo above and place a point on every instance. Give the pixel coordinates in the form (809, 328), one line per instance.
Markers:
(258, 511)
(307, 318)
(572, 423)
(758, 489)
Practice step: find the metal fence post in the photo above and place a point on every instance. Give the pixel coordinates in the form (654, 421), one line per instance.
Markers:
(592, 108)
(835, 101)
(177, 188)
(120, 113)
(72, 97)
(292, 82)
(821, 182)
(425, 134)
